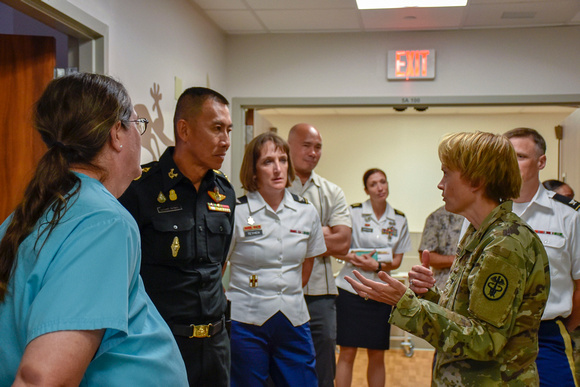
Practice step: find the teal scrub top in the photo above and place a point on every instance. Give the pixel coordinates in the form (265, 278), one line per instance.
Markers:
(85, 276)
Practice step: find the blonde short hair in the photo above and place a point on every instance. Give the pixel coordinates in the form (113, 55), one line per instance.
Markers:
(252, 154)
(484, 158)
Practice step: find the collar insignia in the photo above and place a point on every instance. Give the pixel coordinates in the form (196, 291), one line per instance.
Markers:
(172, 174)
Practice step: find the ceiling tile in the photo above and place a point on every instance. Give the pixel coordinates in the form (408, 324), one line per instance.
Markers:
(412, 18)
(301, 4)
(309, 21)
(221, 4)
(490, 15)
(236, 21)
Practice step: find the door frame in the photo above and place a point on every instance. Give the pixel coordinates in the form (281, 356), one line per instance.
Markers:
(92, 34)
(241, 104)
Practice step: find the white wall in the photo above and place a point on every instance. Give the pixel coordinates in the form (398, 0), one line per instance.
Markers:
(152, 42)
(405, 147)
(527, 61)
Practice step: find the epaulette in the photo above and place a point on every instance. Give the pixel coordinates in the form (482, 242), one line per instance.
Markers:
(220, 173)
(242, 199)
(397, 212)
(299, 199)
(145, 168)
(356, 205)
(567, 201)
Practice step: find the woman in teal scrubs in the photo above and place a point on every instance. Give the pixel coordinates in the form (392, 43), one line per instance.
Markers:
(73, 309)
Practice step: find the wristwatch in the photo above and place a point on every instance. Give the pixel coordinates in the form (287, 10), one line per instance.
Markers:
(379, 268)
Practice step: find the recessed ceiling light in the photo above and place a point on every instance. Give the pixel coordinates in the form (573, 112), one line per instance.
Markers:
(377, 4)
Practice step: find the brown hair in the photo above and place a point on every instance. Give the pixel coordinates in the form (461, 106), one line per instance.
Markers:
(252, 154)
(529, 133)
(485, 158)
(370, 172)
(74, 117)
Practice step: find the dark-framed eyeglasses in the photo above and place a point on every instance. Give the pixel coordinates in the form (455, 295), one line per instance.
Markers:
(141, 124)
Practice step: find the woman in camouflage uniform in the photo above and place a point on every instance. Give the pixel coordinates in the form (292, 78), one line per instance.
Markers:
(485, 323)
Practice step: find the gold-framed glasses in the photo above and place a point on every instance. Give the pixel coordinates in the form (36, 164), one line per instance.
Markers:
(141, 124)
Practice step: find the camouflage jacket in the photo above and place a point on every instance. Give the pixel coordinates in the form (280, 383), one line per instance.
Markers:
(485, 324)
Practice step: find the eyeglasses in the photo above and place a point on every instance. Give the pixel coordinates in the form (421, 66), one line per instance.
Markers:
(141, 125)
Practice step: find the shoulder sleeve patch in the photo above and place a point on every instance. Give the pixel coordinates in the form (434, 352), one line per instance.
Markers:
(400, 213)
(356, 205)
(242, 199)
(299, 199)
(569, 202)
(493, 290)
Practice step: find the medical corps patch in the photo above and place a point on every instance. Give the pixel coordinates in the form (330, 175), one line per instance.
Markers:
(495, 286)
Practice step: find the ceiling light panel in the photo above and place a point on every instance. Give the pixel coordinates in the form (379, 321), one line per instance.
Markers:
(383, 4)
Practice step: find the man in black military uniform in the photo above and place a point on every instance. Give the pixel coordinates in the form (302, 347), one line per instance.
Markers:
(184, 208)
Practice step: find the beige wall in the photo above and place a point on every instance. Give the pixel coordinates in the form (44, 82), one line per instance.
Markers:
(405, 147)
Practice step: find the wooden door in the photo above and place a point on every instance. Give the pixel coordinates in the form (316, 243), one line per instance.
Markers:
(26, 67)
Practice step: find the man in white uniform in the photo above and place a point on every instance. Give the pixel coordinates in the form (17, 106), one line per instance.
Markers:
(557, 222)
(329, 200)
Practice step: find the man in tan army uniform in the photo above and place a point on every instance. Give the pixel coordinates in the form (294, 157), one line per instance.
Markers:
(485, 325)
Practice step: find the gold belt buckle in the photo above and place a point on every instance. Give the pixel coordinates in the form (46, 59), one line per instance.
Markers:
(200, 331)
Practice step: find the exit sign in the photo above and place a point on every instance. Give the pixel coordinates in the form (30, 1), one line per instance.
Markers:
(410, 65)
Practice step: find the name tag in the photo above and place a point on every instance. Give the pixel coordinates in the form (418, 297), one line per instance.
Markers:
(250, 231)
(366, 229)
(162, 210)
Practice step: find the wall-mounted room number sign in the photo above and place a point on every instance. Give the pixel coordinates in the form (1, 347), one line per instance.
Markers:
(410, 64)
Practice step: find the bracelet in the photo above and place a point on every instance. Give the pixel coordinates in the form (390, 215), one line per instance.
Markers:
(379, 268)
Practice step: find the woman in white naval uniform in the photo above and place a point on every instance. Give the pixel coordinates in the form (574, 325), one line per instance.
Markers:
(382, 231)
(276, 235)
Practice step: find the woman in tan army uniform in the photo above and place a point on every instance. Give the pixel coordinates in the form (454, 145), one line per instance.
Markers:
(485, 324)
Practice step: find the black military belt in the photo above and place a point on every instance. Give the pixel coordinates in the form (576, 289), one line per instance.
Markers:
(198, 331)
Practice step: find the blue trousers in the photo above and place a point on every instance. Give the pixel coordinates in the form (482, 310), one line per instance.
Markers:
(555, 362)
(277, 349)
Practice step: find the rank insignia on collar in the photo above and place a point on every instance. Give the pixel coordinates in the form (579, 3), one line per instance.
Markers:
(172, 195)
(218, 207)
(253, 281)
(251, 220)
(216, 195)
(161, 198)
(175, 247)
(172, 174)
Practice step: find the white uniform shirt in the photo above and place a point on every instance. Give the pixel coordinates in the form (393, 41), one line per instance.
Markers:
(330, 202)
(368, 232)
(266, 255)
(558, 226)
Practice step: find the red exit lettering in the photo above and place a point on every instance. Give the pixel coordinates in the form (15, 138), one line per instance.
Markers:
(411, 63)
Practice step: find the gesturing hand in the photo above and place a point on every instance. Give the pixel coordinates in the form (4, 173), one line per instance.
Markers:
(389, 291)
(421, 277)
